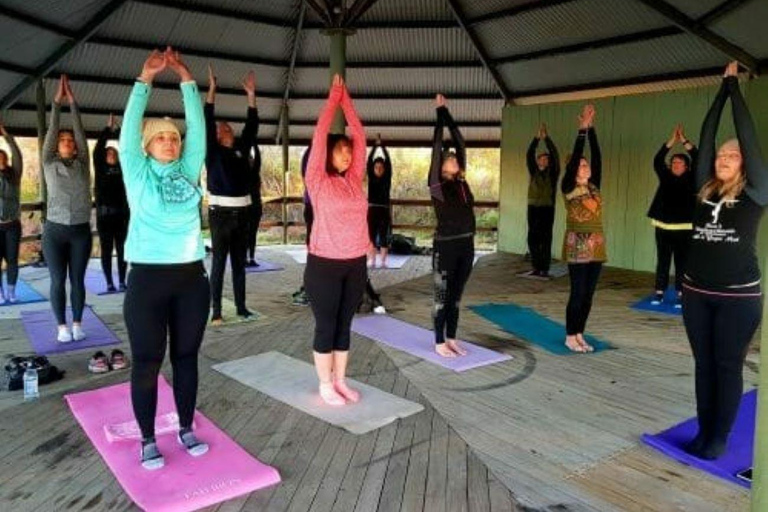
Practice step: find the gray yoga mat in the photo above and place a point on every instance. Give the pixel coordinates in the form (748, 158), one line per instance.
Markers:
(294, 382)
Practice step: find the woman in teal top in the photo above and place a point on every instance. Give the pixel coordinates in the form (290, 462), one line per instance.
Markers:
(168, 292)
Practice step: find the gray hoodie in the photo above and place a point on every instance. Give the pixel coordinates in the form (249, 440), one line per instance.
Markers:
(68, 181)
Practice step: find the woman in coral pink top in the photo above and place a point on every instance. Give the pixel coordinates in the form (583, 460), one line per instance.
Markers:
(335, 274)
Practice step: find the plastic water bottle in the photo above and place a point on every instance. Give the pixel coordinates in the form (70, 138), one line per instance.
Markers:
(30, 384)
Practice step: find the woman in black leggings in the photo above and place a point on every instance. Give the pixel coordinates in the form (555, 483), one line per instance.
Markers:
(454, 241)
(111, 206)
(722, 299)
(168, 291)
(67, 232)
(671, 212)
(584, 241)
(10, 210)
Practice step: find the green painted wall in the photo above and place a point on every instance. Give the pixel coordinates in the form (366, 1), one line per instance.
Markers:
(630, 130)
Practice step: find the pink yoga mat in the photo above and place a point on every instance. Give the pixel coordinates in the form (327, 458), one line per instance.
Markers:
(185, 483)
(420, 342)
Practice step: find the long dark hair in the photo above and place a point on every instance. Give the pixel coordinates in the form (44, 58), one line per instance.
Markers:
(333, 140)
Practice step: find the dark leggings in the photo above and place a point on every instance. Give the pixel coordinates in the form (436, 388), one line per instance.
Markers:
(254, 219)
(669, 244)
(66, 250)
(229, 227)
(584, 278)
(112, 232)
(309, 217)
(335, 289)
(540, 221)
(10, 238)
(719, 330)
(452, 262)
(162, 302)
(380, 226)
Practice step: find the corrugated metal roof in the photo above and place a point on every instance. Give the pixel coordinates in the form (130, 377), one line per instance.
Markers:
(625, 90)
(393, 45)
(399, 81)
(25, 45)
(746, 27)
(285, 9)
(149, 22)
(404, 10)
(666, 55)
(406, 110)
(565, 24)
(176, 27)
(70, 14)
(695, 8)
(112, 62)
(8, 81)
(474, 8)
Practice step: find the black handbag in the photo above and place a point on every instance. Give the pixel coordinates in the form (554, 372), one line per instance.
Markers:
(16, 366)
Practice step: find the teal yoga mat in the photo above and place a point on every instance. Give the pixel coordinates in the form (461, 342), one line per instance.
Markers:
(529, 325)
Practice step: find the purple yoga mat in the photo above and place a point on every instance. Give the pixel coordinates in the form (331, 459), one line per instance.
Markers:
(95, 282)
(264, 266)
(420, 342)
(740, 444)
(41, 328)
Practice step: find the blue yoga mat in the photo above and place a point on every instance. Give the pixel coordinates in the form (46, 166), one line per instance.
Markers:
(740, 444)
(527, 324)
(25, 294)
(667, 306)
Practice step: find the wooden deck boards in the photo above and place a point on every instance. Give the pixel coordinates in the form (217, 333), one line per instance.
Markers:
(538, 433)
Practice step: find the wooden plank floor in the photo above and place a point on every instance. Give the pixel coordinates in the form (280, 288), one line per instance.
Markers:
(538, 433)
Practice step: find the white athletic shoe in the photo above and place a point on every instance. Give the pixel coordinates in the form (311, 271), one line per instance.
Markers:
(65, 335)
(78, 334)
(379, 310)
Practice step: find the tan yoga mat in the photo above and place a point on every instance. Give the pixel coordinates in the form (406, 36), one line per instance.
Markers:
(294, 382)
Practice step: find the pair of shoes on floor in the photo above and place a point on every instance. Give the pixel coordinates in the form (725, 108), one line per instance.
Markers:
(111, 288)
(100, 363)
(658, 300)
(300, 298)
(8, 296)
(152, 459)
(67, 335)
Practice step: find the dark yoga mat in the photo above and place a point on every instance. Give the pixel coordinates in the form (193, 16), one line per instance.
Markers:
(740, 444)
(95, 282)
(25, 294)
(41, 328)
(667, 306)
(527, 324)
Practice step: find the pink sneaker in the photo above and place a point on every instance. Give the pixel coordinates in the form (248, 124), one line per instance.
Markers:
(346, 391)
(330, 396)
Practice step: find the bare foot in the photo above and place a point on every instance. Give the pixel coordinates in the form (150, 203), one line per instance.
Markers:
(445, 351)
(573, 344)
(583, 343)
(345, 391)
(330, 396)
(454, 345)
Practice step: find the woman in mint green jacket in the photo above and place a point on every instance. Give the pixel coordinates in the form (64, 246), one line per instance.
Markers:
(168, 292)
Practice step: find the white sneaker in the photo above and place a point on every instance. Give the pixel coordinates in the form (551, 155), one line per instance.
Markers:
(78, 334)
(65, 335)
(379, 310)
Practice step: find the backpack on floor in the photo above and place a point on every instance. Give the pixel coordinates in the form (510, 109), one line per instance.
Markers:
(401, 244)
(15, 367)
